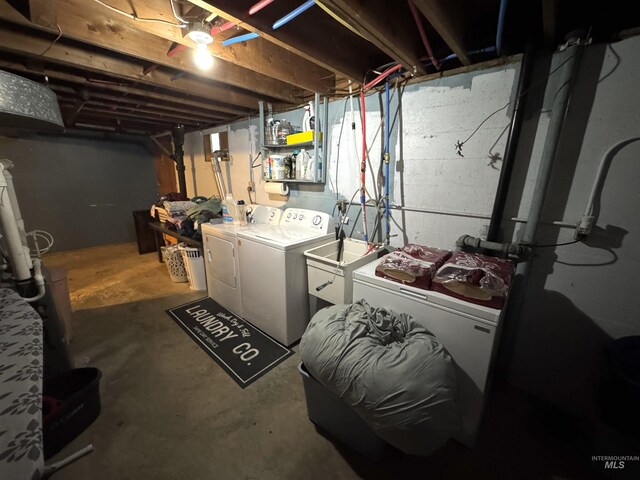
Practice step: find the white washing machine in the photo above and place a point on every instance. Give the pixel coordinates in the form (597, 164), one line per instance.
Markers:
(468, 331)
(273, 270)
(220, 243)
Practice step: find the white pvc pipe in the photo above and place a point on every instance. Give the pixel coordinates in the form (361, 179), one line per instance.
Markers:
(604, 164)
(8, 165)
(17, 258)
(38, 279)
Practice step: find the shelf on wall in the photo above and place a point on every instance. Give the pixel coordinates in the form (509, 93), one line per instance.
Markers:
(292, 180)
(293, 145)
(317, 144)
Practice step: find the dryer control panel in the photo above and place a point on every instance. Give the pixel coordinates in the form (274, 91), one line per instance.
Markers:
(262, 214)
(309, 219)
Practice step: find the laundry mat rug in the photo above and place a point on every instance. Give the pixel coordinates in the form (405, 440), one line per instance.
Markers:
(242, 350)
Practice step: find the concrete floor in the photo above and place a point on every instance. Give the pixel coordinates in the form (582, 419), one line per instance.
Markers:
(170, 412)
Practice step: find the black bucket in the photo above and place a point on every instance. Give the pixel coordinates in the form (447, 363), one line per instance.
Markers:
(71, 402)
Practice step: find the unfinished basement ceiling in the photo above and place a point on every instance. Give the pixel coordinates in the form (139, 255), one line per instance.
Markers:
(113, 69)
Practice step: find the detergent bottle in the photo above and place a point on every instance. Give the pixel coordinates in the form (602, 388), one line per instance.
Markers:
(229, 209)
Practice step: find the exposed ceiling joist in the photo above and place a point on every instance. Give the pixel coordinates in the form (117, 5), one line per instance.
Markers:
(104, 31)
(114, 87)
(74, 56)
(309, 43)
(549, 22)
(259, 56)
(449, 20)
(388, 29)
(155, 106)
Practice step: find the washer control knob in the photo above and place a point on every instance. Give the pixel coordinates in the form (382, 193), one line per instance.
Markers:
(300, 217)
(317, 220)
(273, 213)
(295, 215)
(288, 215)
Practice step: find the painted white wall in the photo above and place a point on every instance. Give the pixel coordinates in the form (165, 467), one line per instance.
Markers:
(582, 296)
(458, 191)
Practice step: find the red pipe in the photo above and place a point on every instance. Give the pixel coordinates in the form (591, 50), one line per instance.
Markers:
(176, 49)
(222, 28)
(381, 77)
(423, 34)
(259, 6)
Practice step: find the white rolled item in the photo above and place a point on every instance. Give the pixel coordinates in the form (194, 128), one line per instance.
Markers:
(276, 188)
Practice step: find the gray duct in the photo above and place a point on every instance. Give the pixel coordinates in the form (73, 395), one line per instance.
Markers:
(25, 104)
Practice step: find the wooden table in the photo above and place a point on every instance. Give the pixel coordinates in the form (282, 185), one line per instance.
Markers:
(160, 229)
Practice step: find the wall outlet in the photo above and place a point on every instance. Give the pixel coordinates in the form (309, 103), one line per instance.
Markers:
(250, 186)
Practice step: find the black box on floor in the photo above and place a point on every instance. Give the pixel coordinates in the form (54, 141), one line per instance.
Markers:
(71, 403)
(333, 416)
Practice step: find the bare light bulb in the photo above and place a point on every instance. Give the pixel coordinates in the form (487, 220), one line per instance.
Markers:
(202, 57)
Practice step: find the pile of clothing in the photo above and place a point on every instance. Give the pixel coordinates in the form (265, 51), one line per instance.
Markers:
(186, 216)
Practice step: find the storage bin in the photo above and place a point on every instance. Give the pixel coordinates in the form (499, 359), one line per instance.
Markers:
(334, 417)
(194, 265)
(71, 402)
(172, 258)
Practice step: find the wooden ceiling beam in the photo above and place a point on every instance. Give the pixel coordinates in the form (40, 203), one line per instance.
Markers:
(111, 111)
(549, 22)
(111, 31)
(449, 20)
(185, 118)
(155, 106)
(22, 43)
(391, 30)
(259, 56)
(297, 37)
(116, 88)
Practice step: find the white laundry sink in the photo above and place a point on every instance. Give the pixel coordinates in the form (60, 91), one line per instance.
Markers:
(332, 281)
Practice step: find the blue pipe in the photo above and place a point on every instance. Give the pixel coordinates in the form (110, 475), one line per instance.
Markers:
(291, 15)
(472, 52)
(240, 38)
(387, 137)
(499, 34)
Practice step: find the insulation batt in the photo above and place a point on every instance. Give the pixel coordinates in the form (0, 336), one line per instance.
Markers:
(412, 265)
(394, 373)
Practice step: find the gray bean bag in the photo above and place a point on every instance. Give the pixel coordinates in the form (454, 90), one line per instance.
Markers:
(394, 373)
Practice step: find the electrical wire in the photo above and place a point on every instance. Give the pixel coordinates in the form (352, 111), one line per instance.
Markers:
(531, 245)
(253, 162)
(135, 17)
(460, 144)
(335, 187)
(175, 13)
(54, 42)
(36, 251)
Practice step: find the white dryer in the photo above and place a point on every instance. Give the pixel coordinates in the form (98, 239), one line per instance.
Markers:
(273, 270)
(468, 331)
(220, 243)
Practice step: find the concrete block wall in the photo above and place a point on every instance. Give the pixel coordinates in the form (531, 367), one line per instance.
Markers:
(426, 172)
(581, 296)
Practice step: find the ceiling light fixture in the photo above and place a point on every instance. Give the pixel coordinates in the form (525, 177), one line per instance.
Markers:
(199, 34)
